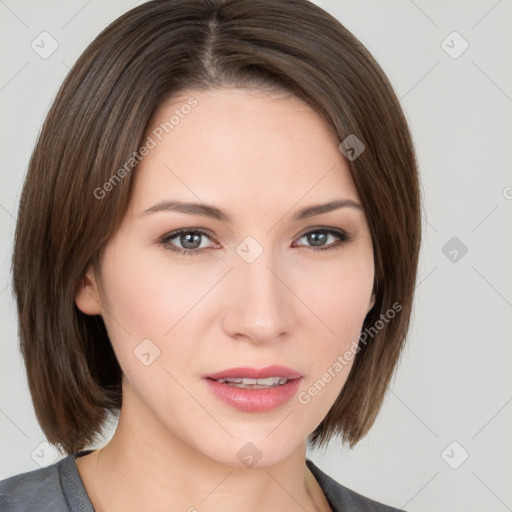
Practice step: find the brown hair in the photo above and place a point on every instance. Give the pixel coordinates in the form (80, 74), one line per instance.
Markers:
(97, 122)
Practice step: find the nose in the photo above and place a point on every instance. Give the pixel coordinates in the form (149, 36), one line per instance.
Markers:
(260, 305)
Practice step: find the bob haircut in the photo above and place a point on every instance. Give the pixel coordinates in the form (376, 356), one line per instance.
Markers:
(98, 121)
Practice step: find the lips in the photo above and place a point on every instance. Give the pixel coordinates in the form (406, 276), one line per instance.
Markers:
(254, 389)
(256, 373)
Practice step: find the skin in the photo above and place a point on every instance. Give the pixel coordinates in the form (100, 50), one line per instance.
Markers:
(259, 157)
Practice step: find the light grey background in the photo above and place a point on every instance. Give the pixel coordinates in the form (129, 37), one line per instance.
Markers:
(454, 382)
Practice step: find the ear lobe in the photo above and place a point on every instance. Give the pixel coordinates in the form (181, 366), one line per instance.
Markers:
(372, 303)
(87, 296)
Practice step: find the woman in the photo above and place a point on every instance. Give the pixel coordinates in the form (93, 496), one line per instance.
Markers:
(217, 241)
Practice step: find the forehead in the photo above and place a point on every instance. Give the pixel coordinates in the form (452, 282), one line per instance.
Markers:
(243, 147)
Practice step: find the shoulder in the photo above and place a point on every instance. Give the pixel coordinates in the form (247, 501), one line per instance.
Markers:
(341, 498)
(39, 488)
(50, 489)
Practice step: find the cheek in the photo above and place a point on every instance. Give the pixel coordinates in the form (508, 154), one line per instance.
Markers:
(149, 297)
(144, 303)
(340, 301)
(339, 295)
(147, 294)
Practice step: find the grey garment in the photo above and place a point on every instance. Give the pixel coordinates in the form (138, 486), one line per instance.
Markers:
(59, 488)
(56, 488)
(340, 498)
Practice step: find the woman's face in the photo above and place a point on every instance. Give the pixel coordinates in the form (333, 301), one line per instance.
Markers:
(234, 347)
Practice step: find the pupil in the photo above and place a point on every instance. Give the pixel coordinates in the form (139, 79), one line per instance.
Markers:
(317, 238)
(191, 240)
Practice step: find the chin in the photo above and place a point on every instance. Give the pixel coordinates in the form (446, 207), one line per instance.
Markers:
(252, 450)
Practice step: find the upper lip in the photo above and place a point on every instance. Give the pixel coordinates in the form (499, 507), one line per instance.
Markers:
(256, 373)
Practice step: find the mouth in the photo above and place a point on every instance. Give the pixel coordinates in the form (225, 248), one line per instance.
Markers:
(253, 389)
(245, 383)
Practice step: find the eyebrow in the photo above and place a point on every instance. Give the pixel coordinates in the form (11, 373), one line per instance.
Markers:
(216, 213)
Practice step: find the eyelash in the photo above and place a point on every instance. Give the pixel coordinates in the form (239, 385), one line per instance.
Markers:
(342, 236)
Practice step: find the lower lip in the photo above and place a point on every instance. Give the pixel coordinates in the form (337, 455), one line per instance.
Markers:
(254, 400)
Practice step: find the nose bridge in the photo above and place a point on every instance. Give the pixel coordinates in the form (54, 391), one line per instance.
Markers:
(261, 306)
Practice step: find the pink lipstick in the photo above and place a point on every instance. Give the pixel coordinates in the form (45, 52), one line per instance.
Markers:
(254, 389)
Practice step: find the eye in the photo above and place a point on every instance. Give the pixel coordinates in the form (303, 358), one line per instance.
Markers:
(318, 239)
(192, 241)
(185, 241)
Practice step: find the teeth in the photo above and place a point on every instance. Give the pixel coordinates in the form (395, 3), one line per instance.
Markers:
(235, 381)
(242, 382)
